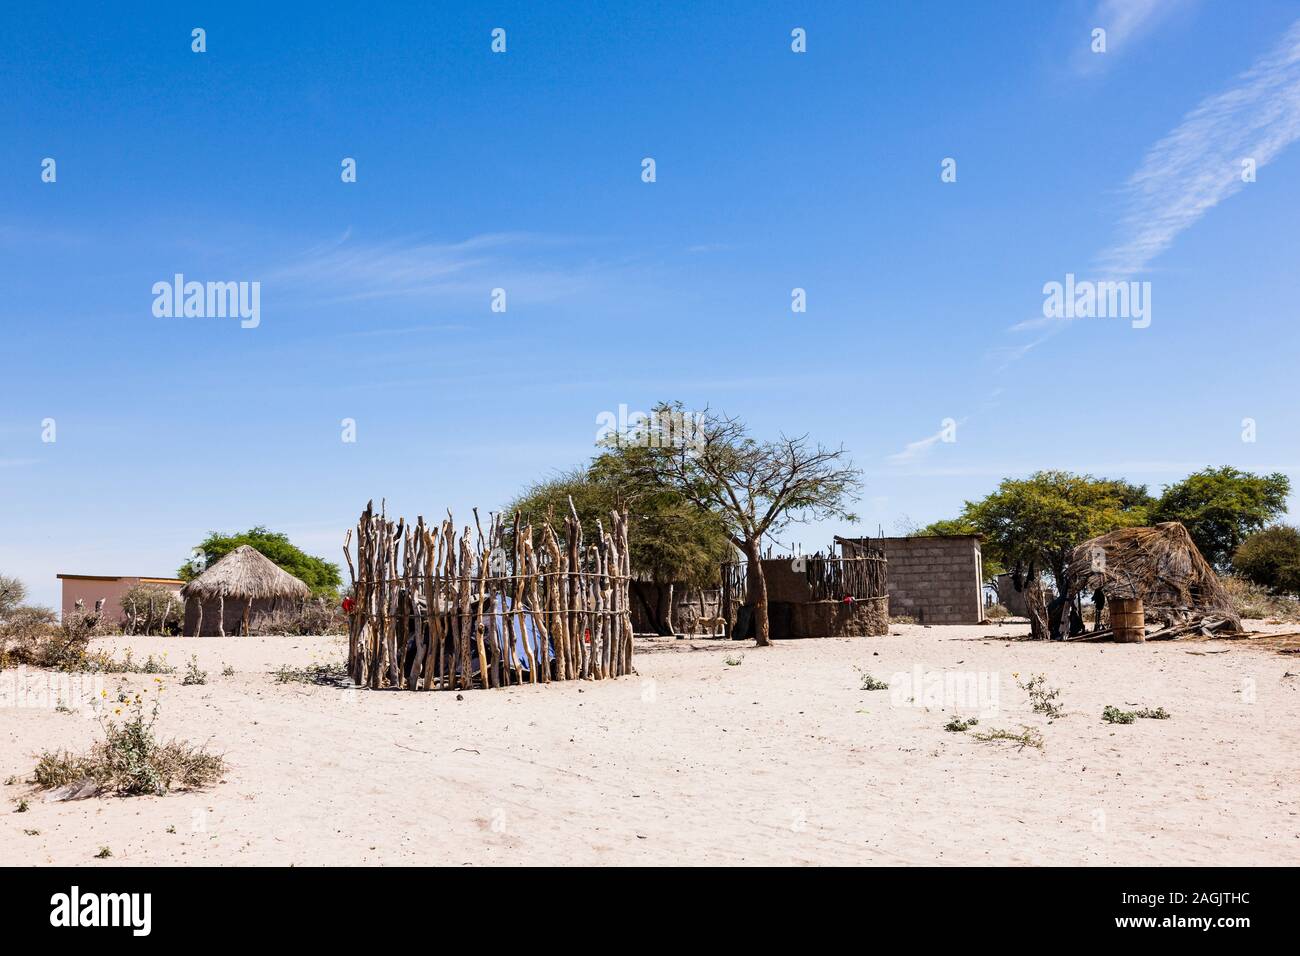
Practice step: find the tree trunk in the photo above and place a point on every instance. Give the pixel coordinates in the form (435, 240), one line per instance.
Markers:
(1036, 606)
(758, 593)
(666, 609)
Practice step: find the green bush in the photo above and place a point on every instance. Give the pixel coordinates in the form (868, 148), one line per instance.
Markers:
(1271, 559)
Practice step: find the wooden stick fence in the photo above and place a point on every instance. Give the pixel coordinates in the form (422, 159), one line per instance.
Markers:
(434, 611)
(833, 579)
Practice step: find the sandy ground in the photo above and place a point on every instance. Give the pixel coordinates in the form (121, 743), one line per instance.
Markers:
(780, 758)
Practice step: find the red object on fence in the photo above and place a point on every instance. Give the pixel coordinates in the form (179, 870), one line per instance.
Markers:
(348, 605)
(848, 599)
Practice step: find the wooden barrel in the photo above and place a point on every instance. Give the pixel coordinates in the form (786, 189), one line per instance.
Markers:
(1127, 620)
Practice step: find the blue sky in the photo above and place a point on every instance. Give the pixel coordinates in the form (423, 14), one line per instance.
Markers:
(522, 171)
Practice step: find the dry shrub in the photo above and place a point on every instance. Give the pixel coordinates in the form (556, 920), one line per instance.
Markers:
(23, 631)
(1251, 600)
(12, 594)
(152, 609)
(130, 760)
(315, 616)
(32, 635)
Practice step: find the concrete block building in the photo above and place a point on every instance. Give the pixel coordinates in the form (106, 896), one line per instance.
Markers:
(936, 579)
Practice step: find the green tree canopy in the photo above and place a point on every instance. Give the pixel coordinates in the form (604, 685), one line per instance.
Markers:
(1221, 506)
(1271, 559)
(753, 488)
(1032, 524)
(318, 574)
(671, 540)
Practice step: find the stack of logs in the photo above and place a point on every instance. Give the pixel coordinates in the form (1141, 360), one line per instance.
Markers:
(431, 611)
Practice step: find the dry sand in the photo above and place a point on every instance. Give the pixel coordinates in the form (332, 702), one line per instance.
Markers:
(778, 759)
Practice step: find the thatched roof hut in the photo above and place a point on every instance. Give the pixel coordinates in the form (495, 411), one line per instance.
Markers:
(1160, 565)
(241, 584)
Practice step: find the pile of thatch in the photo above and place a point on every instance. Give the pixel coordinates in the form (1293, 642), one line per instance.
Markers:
(1161, 566)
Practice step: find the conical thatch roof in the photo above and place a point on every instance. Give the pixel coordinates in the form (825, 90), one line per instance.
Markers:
(245, 574)
(1161, 565)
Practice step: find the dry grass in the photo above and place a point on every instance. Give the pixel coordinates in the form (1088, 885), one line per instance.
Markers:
(316, 616)
(1251, 600)
(1028, 737)
(329, 674)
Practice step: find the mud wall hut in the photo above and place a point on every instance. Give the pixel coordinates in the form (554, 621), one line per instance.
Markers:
(814, 596)
(228, 597)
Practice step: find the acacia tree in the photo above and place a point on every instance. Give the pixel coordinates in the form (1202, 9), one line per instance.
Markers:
(1031, 525)
(1220, 507)
(671, 539)
(755, 488)
(1036, 522)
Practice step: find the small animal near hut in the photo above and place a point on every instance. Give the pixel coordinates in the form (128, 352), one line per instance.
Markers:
(433, 610)
(1154, 572)
(227, 597)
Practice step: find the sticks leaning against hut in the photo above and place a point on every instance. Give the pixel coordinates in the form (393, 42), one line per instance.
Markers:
(437, 610)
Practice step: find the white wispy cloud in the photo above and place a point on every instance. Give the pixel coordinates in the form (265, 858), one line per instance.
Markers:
(1192, 169)
(1127, 24)
(1127, 20)
(348, 269)
(919, 448)
(1199, 164)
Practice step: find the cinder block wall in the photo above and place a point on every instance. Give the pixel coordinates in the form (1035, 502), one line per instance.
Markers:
(937, 580)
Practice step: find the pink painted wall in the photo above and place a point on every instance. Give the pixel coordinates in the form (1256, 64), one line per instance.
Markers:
(110, 590)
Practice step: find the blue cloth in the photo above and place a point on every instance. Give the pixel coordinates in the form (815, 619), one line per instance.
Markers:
(531, 636)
